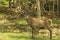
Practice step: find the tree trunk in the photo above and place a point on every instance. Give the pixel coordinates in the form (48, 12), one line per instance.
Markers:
(58, 5)
(38, 8)
(9, 3)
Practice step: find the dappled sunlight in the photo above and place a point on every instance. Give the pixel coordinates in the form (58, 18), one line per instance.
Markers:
(14, 36)
(29, 19)
(24, 36)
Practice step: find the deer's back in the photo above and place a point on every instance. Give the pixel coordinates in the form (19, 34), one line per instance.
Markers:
(39, 22)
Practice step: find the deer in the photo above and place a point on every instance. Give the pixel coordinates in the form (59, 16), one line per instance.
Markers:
(37, 23)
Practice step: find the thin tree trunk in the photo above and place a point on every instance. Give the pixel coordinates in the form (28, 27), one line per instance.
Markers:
(58, 5)
(9, 3)
(38, 8)
(53, 6)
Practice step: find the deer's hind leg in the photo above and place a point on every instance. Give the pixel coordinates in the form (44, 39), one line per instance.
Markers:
(50, 30)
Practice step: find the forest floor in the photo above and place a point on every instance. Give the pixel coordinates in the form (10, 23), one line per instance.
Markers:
(24, 36)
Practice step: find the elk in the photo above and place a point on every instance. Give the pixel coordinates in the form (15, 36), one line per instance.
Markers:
(37, 23)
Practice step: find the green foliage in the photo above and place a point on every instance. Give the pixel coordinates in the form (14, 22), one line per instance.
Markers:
(22, 22)
(56, 21)
(4, 3)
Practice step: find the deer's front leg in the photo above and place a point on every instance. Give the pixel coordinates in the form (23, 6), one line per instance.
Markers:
(34, 34)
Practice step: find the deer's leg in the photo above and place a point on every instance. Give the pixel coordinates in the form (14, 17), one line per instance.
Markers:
(34, 34)
(50, 32)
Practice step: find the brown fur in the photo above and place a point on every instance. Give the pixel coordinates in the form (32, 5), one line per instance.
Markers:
(37, 23)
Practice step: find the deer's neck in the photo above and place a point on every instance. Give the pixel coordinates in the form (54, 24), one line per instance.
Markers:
(29, 20)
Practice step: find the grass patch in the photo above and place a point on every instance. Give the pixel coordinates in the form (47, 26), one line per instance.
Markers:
(14, 36)
(21, 36)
